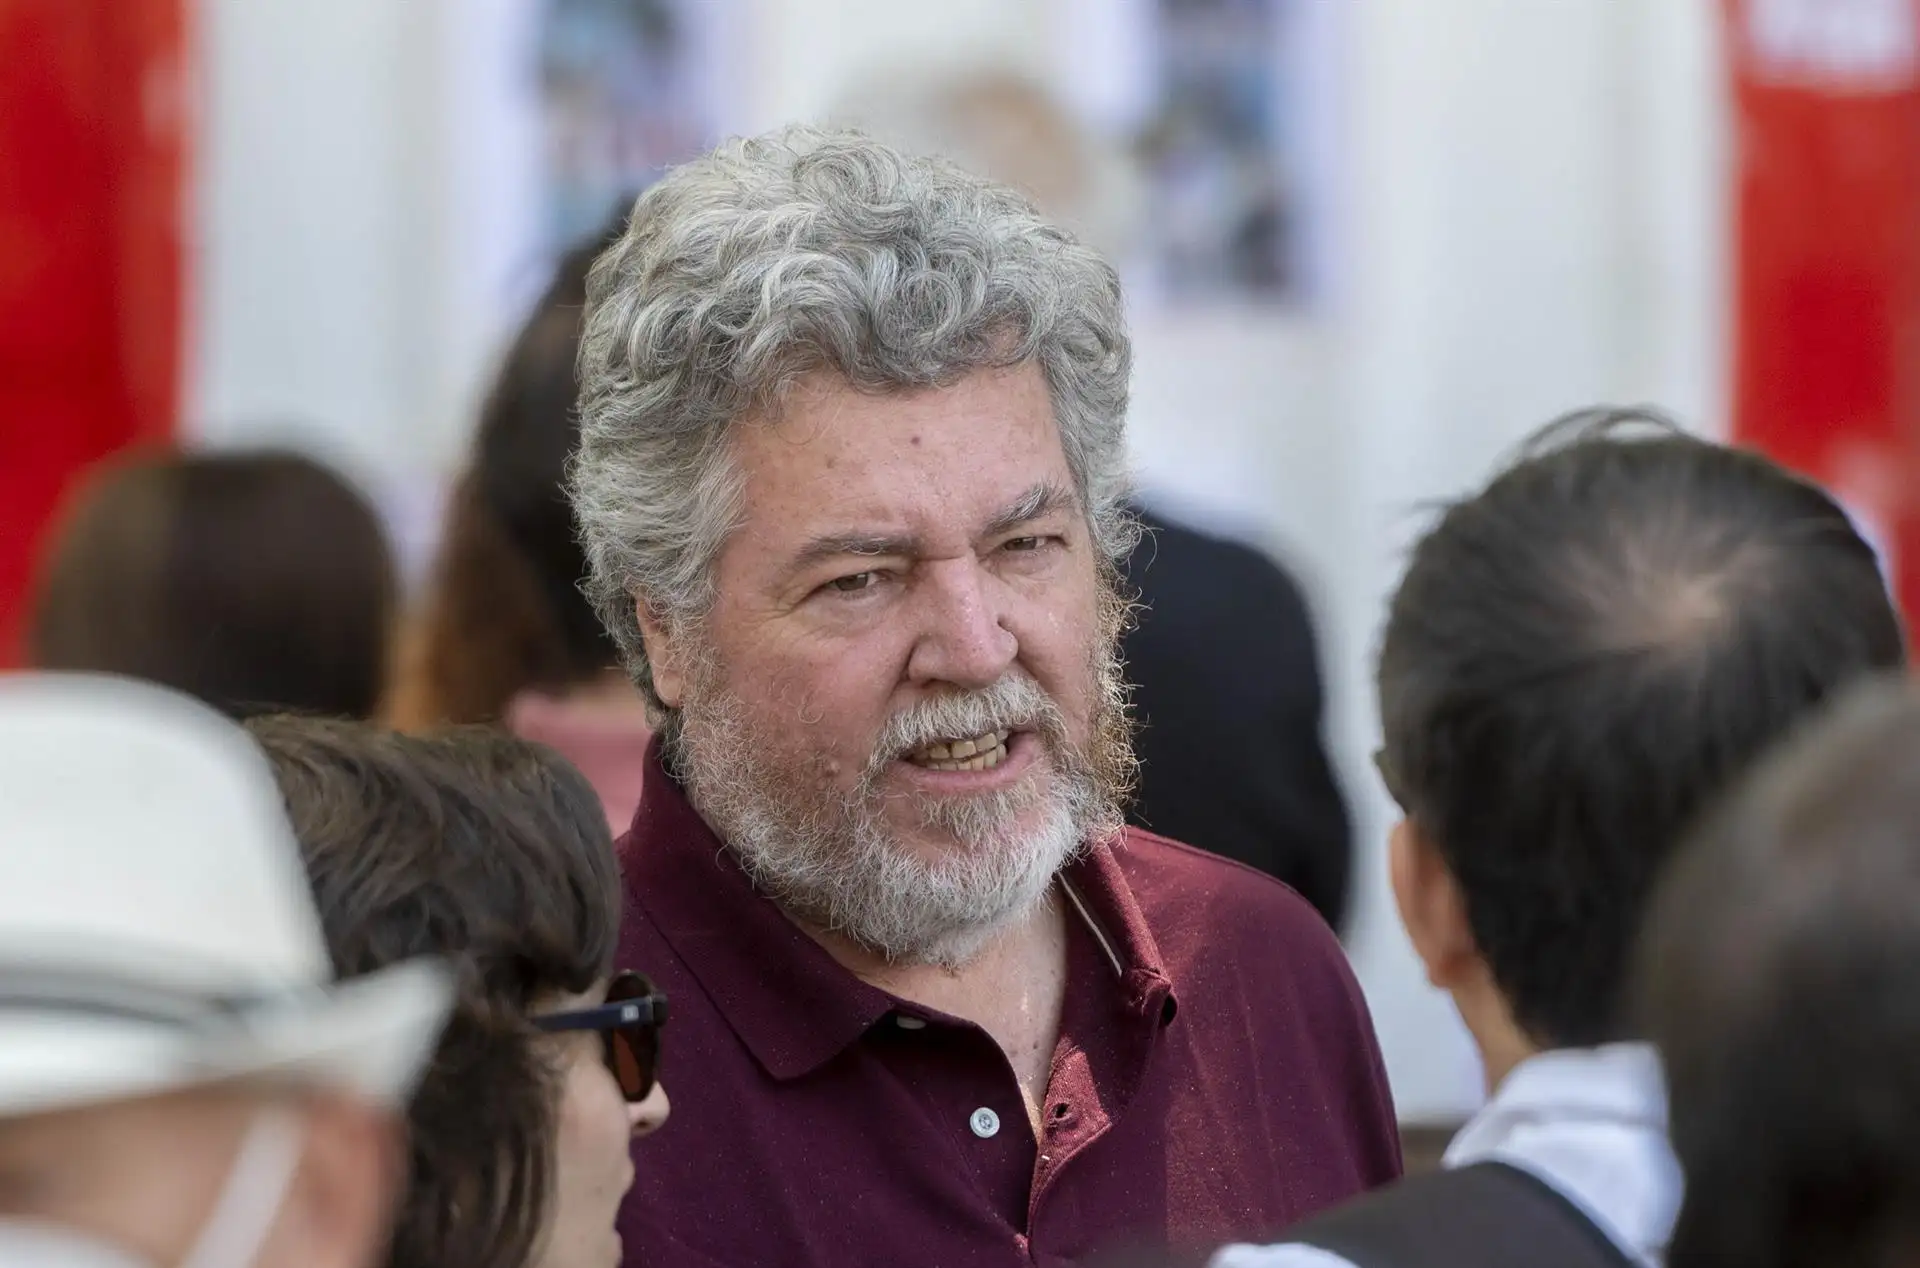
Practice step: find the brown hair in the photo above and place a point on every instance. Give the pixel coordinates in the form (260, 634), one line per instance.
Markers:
(503, 611)
(253, 581)
(1776, 976)
(494, 854)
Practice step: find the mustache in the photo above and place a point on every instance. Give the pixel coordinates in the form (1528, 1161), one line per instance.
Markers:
(1015, 703)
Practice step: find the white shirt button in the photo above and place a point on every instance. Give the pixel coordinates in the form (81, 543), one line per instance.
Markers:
(909, 1023)
(984, 1122)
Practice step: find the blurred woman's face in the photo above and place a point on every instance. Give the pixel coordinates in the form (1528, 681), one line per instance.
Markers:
(592, 1166)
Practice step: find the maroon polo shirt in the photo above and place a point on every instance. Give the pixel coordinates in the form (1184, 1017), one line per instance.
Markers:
(1216, 1075)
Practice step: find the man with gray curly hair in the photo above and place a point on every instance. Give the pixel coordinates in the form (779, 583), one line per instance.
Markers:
(851, 483)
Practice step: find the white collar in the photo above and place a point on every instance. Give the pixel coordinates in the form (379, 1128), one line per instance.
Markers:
(1592, 1123)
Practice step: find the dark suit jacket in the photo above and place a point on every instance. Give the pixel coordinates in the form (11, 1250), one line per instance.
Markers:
(1227, 692)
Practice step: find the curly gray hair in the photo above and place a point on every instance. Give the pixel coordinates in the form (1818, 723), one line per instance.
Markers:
(804, 250)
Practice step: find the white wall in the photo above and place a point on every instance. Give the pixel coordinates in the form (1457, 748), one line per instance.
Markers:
(309, 265)
(1535, 222)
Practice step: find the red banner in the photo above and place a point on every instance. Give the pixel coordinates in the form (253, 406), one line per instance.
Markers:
(1827, 344)
(93, 136)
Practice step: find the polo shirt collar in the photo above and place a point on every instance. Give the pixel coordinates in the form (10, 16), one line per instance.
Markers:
(791, 1003)
(1096, 887)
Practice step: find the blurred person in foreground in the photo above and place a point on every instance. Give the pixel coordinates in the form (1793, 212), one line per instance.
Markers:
(256, 582)
(182, 1082)
(1578, 661)
(852, 485)
(503, 633)
(492, 854)
(1777, 975)
(1221, 654)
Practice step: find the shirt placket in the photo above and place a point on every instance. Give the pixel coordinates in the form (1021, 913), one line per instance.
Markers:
(1071, 1119)
(1097, 1073)
(1105, 1041)
(971, 1092)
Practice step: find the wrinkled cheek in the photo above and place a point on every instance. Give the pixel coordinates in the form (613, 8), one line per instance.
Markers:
(794, 715)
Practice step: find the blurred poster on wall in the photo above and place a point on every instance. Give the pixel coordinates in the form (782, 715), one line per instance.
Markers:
(1223, 208)
(1229, 108)
(1827, 291)
(627, 88)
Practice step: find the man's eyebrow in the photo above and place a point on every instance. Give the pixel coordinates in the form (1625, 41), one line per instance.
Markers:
(1040, 500)
(836, 545)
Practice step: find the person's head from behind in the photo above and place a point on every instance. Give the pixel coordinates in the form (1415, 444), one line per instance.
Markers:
(504, 613)
(1776, 975)
(252, 581)
(493, 854)
(852, 480)
(181, 1080)
(1578, 659)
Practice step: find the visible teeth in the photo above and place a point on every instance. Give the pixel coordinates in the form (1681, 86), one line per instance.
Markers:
(985, 761)
(981, 752)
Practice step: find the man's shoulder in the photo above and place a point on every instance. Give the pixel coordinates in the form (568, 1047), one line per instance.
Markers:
(1177, 884)
(1202, 905)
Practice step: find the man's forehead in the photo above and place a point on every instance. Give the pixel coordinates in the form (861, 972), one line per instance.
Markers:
(836, 454)
(826, 408)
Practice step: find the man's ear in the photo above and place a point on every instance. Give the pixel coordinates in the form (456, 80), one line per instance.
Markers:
(1432, 908)
(663, 655)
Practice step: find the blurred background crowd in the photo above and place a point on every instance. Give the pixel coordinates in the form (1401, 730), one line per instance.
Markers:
(289, 297)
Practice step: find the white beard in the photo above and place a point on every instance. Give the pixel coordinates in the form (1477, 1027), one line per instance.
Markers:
(832, 860)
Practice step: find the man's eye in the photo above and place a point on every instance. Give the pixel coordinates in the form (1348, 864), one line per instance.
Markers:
(855, 583)
(1018, 544)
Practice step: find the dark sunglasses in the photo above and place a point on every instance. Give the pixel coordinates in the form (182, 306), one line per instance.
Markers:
(629, 1024)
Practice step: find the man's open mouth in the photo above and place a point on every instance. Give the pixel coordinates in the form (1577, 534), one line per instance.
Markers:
(979, 752)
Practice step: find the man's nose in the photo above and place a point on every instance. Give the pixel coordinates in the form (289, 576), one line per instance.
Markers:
(962, 638)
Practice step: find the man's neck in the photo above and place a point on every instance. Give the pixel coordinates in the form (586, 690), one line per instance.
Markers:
(1499, 1063)
(1502, 1044)
(1016, 950)
(1014, 988)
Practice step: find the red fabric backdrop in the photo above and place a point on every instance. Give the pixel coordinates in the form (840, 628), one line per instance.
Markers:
(93, 157)
(1827, 323)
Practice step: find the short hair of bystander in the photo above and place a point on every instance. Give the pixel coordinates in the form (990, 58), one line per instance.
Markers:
(1587, 651)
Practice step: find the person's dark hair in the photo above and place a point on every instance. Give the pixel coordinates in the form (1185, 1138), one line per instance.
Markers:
(255, 581)
(493, 854)
(1777, 976)
(1583, 654)
(504, 611)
